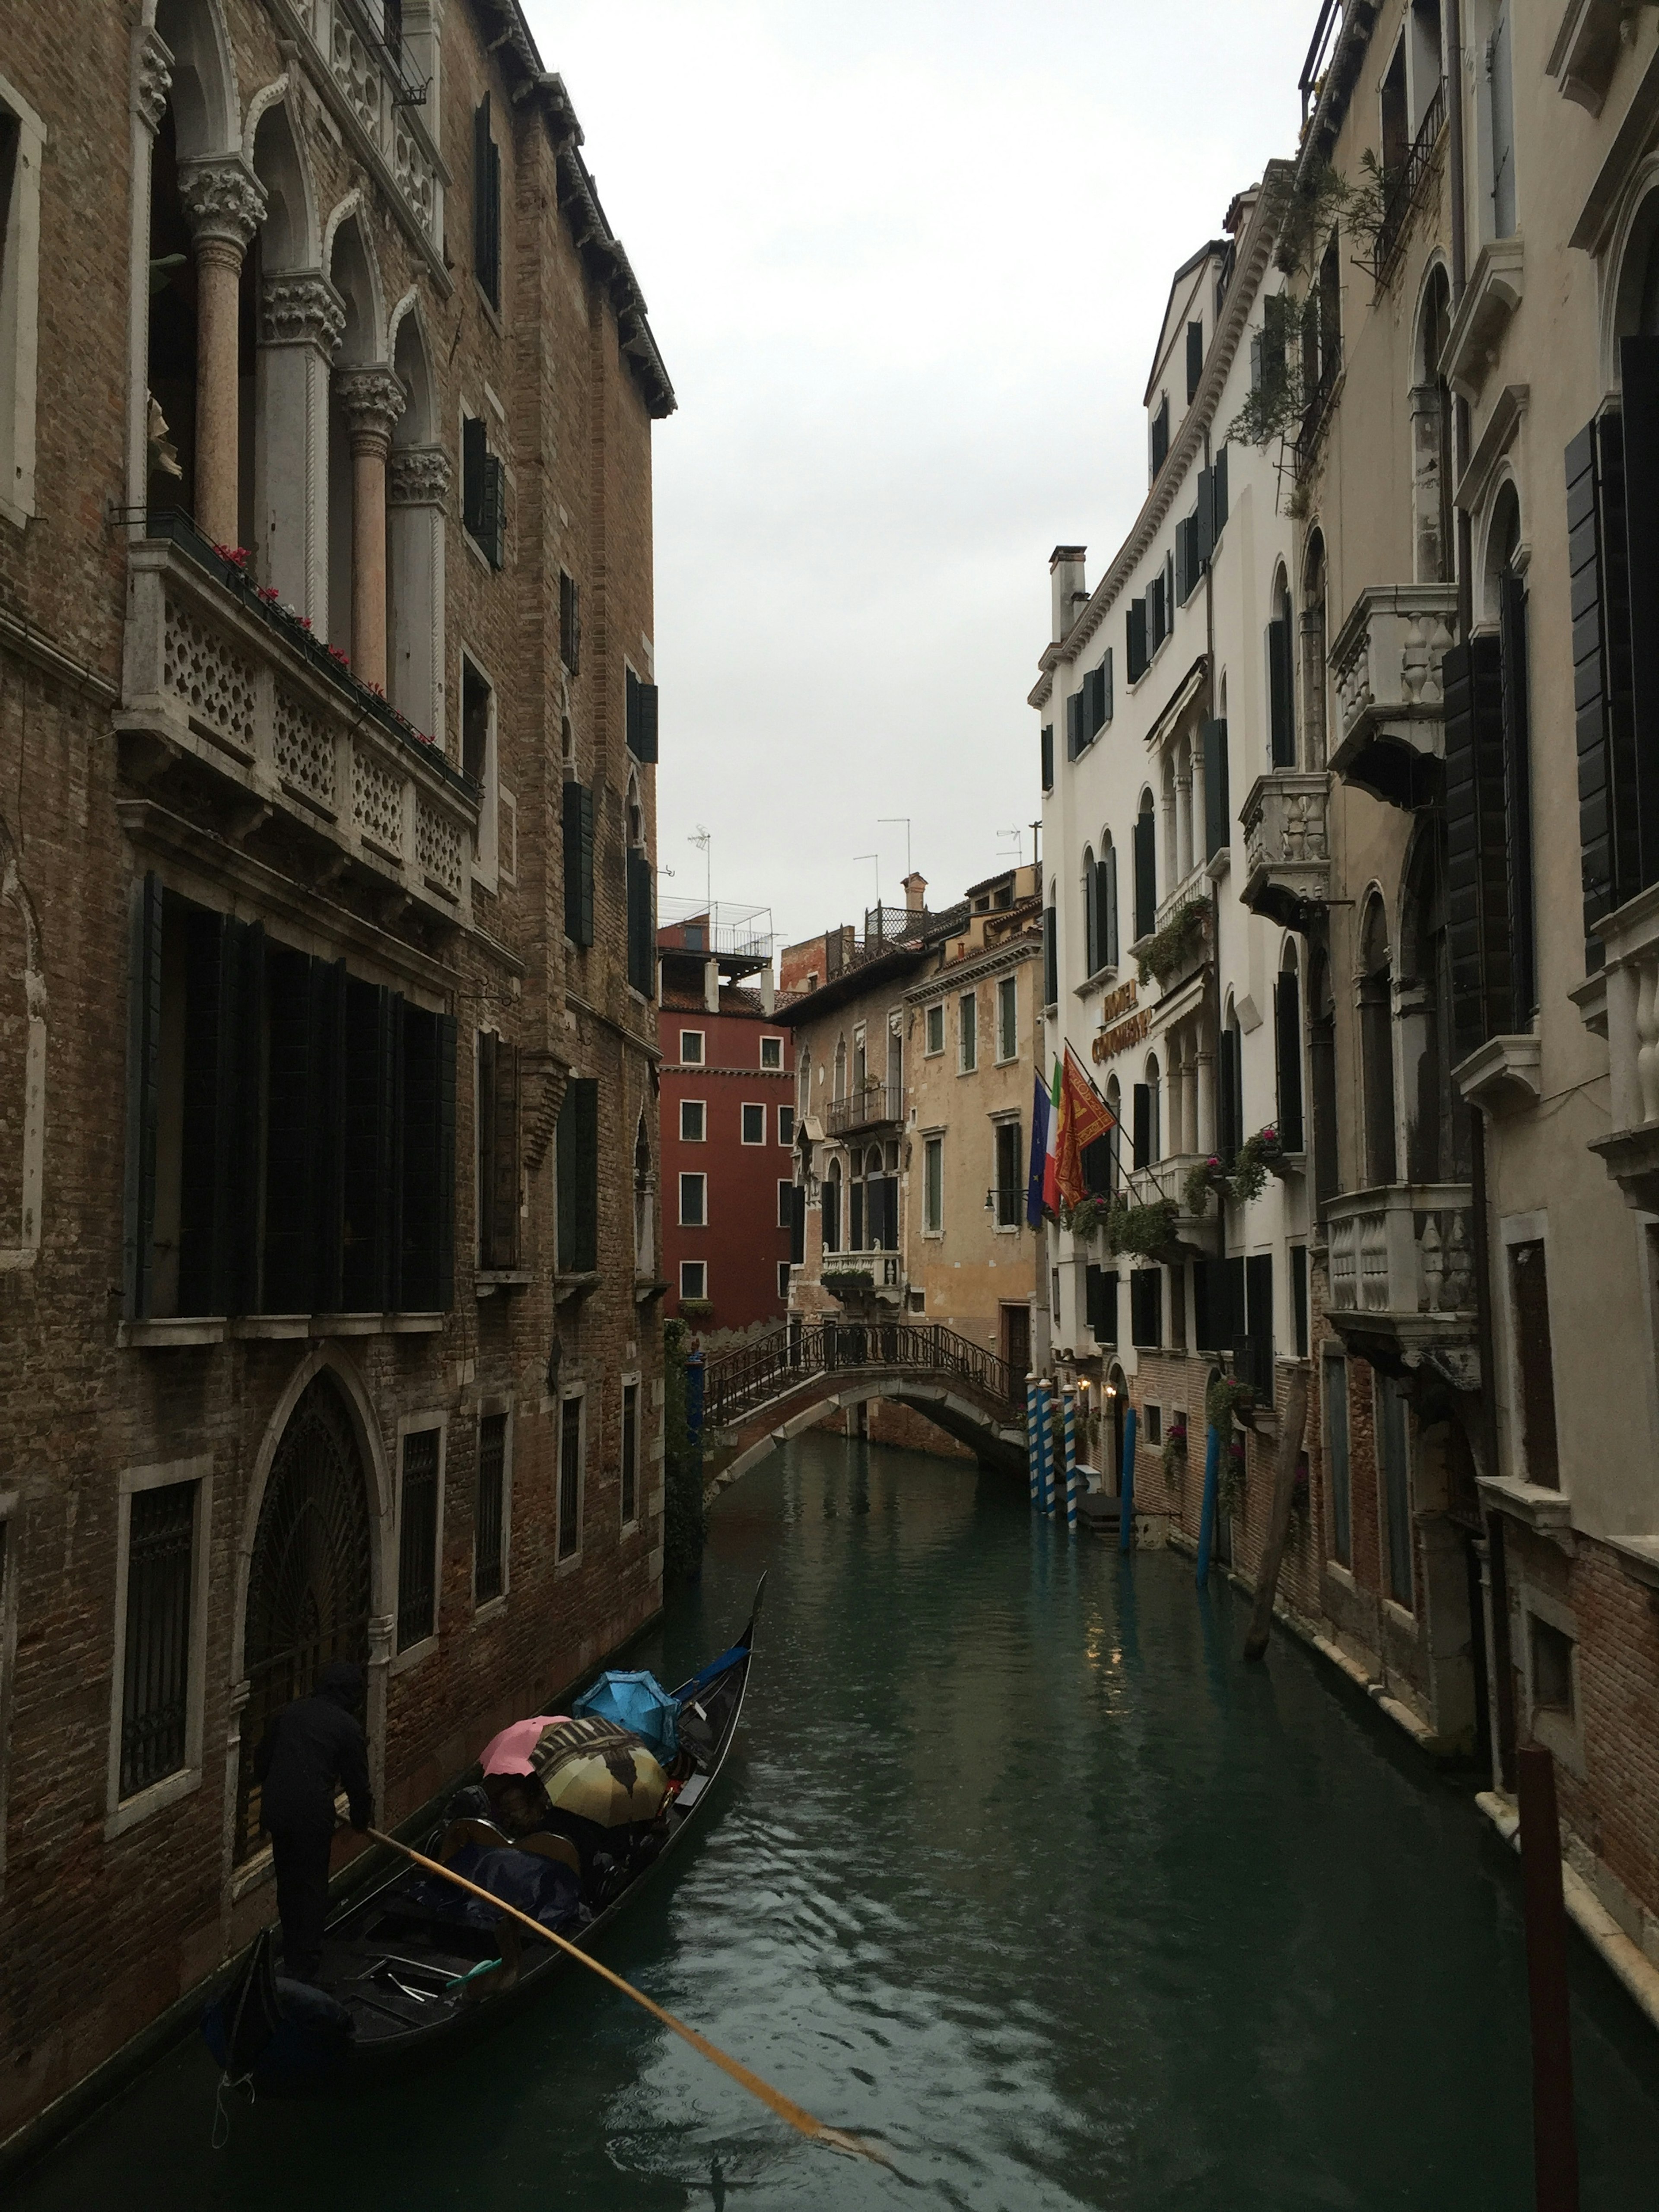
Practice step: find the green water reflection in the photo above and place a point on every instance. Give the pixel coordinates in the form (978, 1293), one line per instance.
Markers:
(1018, 1870)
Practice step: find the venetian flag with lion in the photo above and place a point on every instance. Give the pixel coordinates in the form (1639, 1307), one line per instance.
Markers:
(1083, 1117)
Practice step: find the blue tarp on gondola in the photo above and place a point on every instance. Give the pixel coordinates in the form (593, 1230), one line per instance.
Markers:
(638, 1703)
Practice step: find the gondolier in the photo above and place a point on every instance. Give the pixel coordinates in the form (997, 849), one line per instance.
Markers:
(313, 1748)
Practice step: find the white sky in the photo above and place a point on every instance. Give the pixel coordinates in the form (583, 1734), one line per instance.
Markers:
(906, 264)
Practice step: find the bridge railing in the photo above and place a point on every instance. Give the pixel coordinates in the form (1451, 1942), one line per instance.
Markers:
(737, 1382)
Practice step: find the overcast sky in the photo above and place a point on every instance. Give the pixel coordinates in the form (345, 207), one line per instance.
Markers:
(906, 261)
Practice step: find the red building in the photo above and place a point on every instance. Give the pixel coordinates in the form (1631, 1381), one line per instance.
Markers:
(727, 1126)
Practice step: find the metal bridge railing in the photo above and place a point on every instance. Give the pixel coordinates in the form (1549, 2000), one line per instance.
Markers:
(739, 1381)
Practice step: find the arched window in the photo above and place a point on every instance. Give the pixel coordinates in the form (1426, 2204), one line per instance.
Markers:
(1113, 1138)
(1287, 1049)
(1282, 689)
(1145, 867)
(1425, 1046)
(1321, 1073)
(832, 1205)
(1230, 1090)
(841, 1068)
(1106, 902)
(417, 483)
(1431, 446)
(1377, 1046)
(1313, 649)
(1091, 953)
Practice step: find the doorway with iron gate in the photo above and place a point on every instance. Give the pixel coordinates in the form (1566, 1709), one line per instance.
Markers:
(1015, 1346)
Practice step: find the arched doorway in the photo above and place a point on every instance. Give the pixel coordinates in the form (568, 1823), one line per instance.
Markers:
(308, 1589)
(1117, 1405)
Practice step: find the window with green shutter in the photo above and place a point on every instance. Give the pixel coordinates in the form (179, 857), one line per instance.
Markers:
(576, 1164)
(641, 945)
(486, 206)
(1135, 640)
(498, 1152)
(1281, 722)
(579, 864)
(1047, 746)
(1194, 359)
(642, 719)
(1218, 797)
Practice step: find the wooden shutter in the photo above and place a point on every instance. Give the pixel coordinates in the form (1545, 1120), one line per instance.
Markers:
(1141, 1124)
(1299, 1297)
(1146, 1306)
(143, 1091)
(492, 531)
(1050, 959)
(201, 1169)
(1517, 793)
(1204, 519)
(498, 1154)
(1194, 359)
(579, 864)
(1535, 1362)
(1047, 744)
(1092, 1298)
(1073, 725)
(1134, 634)
(1639, 368)
(447, 1039)
(646, 751)
(797, 1224)
(832, 1217)
(1108, 867)
(1217, 799)
(328, 1109)
(1106, 686)
(570, 622)
(1219, 497)
(1106, 1329)
(416, 1287)
(484, 1144)
(1208, 1295)
(475, 448)
(1092, 929)
(370, 1136)
(642, 951)
(1145, 874)
(1477, 862)
(577, 1154)
(1096, 1162)
(486, 205)
(1232, 1315)
(1287, 1038)
(1597, 560)
(1280, 716)
(1258, 1295)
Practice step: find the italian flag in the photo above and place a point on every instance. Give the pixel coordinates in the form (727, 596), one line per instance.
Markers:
(1051, 1151)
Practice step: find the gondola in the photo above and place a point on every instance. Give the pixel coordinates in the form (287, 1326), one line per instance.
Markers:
(402, 1981)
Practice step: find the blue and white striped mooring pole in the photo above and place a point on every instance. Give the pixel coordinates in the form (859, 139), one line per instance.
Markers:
(1033, 1431)
(1045, 1450)
(1071, 1457)
(1206, 1518)
(1125, 1502)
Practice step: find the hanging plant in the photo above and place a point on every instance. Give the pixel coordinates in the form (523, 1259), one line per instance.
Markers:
(1147, 1231)
(1251, 1162)
(1227, 1396)
(847, 1282)
(696, 1310)
(1086, 1218)
(1200, 1181)
(1232, 1477)
(1174, 1454)
(1176, 942)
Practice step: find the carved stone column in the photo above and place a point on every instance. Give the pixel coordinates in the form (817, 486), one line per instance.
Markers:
(417, 493)
(1206, 1101)
(224, 203)
(302, 318)
(373, 399)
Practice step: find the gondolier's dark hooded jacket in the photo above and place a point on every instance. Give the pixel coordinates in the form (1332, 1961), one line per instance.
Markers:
(312, 1747)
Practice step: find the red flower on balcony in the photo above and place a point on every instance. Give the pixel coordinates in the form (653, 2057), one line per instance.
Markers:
(335, 654)
(268, 593)
(238, 556)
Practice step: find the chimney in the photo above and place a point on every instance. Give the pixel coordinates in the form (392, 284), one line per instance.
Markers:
(1066, 588)
(768, 990)
(915, 894)
(711, 986)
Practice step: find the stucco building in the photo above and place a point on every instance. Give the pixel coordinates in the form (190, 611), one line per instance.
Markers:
(327, 713)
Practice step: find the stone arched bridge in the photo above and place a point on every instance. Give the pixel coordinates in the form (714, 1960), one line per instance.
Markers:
(758, 1397)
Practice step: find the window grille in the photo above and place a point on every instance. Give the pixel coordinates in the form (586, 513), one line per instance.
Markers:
(630, 1453)
(489, 1561)
(417, 1539)
(570, 1478)
(155, 1682)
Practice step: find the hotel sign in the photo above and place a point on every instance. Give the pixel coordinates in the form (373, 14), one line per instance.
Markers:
(1120, 1023)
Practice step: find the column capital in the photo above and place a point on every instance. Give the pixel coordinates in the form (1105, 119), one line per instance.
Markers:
(373, 399)
(152, 78)
(300, 307)
(223, 200)
(418, 476)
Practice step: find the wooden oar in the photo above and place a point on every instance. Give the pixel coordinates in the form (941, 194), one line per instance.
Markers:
(798, 2117)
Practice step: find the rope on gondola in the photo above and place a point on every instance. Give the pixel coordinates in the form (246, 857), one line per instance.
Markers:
(797, 2116)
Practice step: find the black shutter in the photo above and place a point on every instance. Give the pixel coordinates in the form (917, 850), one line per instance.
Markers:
(1145, 874)
(485, 1145)
(855, 1217)
(1108, 867)
(1233, 1042)
(1094, 1160)
(1073, 725)
(1204, 520)
(475, 452)
(1259, 1289)
(1233, 1318)
(797, 1224)
(1134, 634)
(447, 1036)
(1106, 686)
(1287, 1037)
(1639, 363)
(1146, 1307)
(1299, 1297)
(416, 1291)
(241, 1260)
(1597, 561)
(832, 1217)
(1194, 359)
(486, 205)
(1048, 750)
(1141, 1124)
(587, 1174)
(645, 747)
(1206, 1281)
(1185, 567)
(1217, 799)
(1106, 1328)
(1517, 795)
(1227, 1112)
(201, 1169)
(1050, 959)
(1093, 1279)
(579, 864)
(1092, 929)
(492, 526)
(1477, 862)
(1218, 496)
(328, 1108)
(498, 1154)
(287, 1268)
(642, 951)
(143, 1091)
(370, 1134)
(1280, 717)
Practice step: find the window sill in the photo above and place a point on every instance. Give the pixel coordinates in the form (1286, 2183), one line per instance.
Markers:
(1401, 1615)
(569, 1286)
(1528, 1502)
(168, 1791)
(150, 1334)
(185, 1331)
(1098, 982)
(491, 1609)
(402, 1662)
(489, 1280)
(646, 1288)
(569, 1565)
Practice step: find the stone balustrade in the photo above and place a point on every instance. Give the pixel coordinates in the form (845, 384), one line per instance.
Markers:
(1402, 1252)
(1287, 853)
(208, 673)
(1390, 703)
(370, 92)
(1630, 1007)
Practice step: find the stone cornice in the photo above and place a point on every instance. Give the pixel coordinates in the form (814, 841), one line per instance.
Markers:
(1250, 266)
(978, 966)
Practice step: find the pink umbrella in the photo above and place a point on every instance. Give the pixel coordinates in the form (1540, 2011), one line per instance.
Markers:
(509, 1752)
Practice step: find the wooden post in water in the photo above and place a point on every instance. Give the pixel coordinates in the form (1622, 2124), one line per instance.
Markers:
(1126, 1488)
(1279, 1521)
(1555, 2144)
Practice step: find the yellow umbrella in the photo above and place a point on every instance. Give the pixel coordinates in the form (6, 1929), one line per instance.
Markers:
(598, 1770)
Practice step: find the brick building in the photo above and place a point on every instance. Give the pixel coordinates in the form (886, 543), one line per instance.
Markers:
(327, 717)
(729, 1125)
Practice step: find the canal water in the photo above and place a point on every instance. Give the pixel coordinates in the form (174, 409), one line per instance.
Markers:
(1021, 1874)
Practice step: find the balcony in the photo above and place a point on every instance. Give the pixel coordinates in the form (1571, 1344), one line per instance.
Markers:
(1194, 1235)
(1629, 1007)
(211, 675)
(1490, 298)
(1391, 707)
(1406, 188)
(1286, 846)
(1402, 1276)
(877, 1105)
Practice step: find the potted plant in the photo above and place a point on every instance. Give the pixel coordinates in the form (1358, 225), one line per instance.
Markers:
(1174, 1453)
(1232, 1479)
(1230, 1398)
(697, 1312)
(851, 1286)
(1147, 1231)
(1087, 1218)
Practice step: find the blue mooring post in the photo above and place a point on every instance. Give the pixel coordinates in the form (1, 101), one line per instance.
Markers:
(1070, 1400)
(1206, 1518)
(1032, 1432)
(1045, 1448)
(1126, 1500)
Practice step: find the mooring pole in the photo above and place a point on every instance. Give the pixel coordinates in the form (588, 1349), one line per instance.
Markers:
(1070, 1402)
(1206, 1517)
(1555, 2145)
(1032, 1432)
(1126, 1488)
(1045, 1445)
